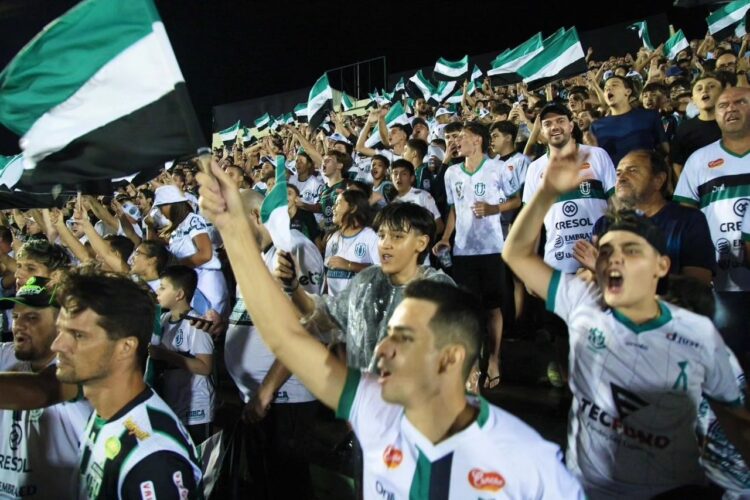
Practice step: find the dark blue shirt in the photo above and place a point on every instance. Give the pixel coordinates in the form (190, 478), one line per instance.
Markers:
(636, 129)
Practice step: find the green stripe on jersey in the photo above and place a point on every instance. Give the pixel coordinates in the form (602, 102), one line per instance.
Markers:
(684, 200)
(745, 236)
(594, 194)
(63, 57)
(346, 401)
(420, 484)
(665, 316)
(728, 193)
(554, 283)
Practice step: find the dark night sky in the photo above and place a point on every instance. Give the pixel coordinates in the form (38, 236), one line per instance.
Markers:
(230, 51)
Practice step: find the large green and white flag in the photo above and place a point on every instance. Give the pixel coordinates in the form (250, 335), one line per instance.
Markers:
(505, 66)
(248, 139)
(447, 71)
(723, 22)
(98, 94)
(229, 135)
(476, 73)
(419, 86)
(263, 122)
(562, 57)
(443, 91)
(641, 27)
(676, 44)
(274, 211)
(319, 102)
(11, 169)
(396, 115)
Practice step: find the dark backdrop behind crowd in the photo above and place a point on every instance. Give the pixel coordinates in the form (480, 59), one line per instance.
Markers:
(231, 51)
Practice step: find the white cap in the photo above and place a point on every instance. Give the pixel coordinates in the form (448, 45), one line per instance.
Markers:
(165, 195)
(435, 151)
(339, 138)
(442, 111)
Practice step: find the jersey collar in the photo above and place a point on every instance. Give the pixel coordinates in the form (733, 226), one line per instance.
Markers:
(665, 316)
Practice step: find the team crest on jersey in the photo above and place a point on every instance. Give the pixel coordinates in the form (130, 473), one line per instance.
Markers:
(112, 447)
(179, 338)
(740, 206)
(392, 457)
(596, 340)
(716, 163)
(16, 436)
(460, 190)
(486, 481)
(35, 415)
(197, 224)
(134, 430)
(585, 188)
(479, 189)
(360, 249)
(335, 247)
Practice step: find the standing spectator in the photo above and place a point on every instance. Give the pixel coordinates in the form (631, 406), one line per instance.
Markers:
(403, 176)
(415, 153)
(383, 191)
(335, 167)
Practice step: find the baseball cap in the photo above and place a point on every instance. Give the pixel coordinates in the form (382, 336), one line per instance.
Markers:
(336, 137)
(132, 210)
(35, 293)
(675, 71)
(441, 112)
(164, 195)
(555, 108)
(635, 221)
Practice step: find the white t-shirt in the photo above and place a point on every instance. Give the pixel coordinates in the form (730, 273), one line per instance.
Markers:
(421, 198)
(310, 189)
(361, 248)
(718, 183)
(190, 396)
(573, 215)
(39, 448)
(636, 391)
(246, 356)
(497, 456)
(477, 235)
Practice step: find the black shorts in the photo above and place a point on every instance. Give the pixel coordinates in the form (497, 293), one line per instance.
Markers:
(484, 275)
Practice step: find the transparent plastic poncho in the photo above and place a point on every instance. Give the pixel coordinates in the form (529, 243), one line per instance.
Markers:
(359, 315)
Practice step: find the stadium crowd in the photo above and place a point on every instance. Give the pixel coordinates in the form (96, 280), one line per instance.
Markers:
(609, 210)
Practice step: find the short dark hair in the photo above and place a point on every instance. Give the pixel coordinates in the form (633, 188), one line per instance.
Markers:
(182, 278)
(557, 109)
(381, 158)
(343, 158)
(626, 82)
(147, 193)
(505, 127)
(453, 127)
(477, 128)
(406, 129)
(158, 250)
(359, 202)
(6, 235)
(125, 308)
(407, 216)
(500, 108)
(405, 164)
(418, 145)
(121, 245)
(418, 121)
(654, 87)
(42, 251)
(457, 320)
(658, 166)
(722, 79)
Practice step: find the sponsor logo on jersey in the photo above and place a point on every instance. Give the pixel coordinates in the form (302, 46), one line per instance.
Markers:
(15, 464)
(134, 430)
(382, 492)
(569, 208)
(311, 278)
(460, 190)
(335, 248)
(392, 457)
(16, 436)
(596, 340)
(147, 491)
(679, 339)
(597, 415)
(197, 224)
(479, 189)
(681, 383)
(572, 223)
(559, 242)
(486, 481)
(559, 255)
(740, 206)
(723, 246)
(625, 401)
(282, 396)
(112, 447)
(180, 484)
(360, 249)
(716, 163)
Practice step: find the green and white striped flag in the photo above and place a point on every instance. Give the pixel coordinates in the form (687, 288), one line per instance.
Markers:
(642, 28)
(456, 97)
(319, 102)
(504, 70)
(676, 44)
(741, 29)
(347, 102)
(724, 22)
(476, 73)
(395, 115)
(562, 57)
(419, 86)
(11, 169)
(300, 112)
(399, 90)
(247, 137)
(274, 211)
(98, 94)
(263, 122)
(447, 71)
(443, 91)
(229, 135)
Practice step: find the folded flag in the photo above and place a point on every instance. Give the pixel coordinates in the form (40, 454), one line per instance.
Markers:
(504, 70)
(676, 44)
(642, 28)
(447, 71)
(319, 102)
(274, 211)
(98, 94)
(724, 22)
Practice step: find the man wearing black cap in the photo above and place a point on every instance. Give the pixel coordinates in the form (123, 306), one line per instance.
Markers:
(39, 449)
(638, 366)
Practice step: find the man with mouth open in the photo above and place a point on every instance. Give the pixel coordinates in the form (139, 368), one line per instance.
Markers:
(420, 434)
(638, 366)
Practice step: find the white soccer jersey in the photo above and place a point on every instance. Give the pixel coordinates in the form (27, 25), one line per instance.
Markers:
(496, 457)
(514, 174)
(361, 248)
(310, 189)
(361, 169)
(421, 198)
(718, 183)
(573, 215)
(477, 235)
(190, 396)
(636, 391)
(39, 448)
(246, 356)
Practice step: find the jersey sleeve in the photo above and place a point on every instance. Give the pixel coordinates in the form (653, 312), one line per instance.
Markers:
(429, 203)
(686, 191)
(363, 407)
(162, 475)
(530, 184)
(520, 167)
(197, 225)
(720, 383)
(565, 292)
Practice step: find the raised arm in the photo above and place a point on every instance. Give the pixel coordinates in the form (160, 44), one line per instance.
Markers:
(308, 146)
(68, 239)
(102, 213)
(365, 134)
(274, 315)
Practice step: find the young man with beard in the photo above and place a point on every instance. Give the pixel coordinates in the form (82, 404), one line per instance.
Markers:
(40, 447)
(638, 366)
(420, 434)
(695, 133)
(626, 128)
